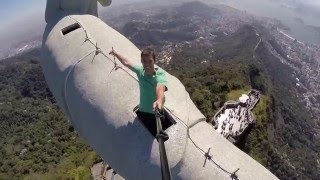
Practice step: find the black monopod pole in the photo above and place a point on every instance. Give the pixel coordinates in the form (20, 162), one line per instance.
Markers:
(162, 137)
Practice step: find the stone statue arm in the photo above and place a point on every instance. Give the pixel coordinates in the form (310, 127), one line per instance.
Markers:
(51, 6)
(105, 2)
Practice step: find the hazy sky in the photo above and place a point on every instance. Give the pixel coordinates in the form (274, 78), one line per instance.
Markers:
(310, 2)
(11, 11)
(23, 19)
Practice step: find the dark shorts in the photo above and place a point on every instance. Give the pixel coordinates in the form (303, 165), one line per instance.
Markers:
(149, 121)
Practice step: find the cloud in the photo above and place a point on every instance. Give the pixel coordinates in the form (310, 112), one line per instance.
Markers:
(311, 2)
(311, 7)
(307, 3)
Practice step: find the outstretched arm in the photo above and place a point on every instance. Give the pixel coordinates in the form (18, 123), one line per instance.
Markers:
(160, 97)
(122, 59)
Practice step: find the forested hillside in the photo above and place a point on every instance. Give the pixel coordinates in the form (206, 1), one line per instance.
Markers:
(35, 138)
(281, 139)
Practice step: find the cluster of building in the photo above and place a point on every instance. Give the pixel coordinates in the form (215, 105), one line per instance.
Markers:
(296, 50)
(166, 52)
(304, 59)
(206, 32)
(234, 118)
(230, 23)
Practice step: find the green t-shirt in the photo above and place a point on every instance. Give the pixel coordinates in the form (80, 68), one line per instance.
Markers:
(148, 84)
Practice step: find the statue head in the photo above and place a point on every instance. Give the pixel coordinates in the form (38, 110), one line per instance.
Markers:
(57, 9)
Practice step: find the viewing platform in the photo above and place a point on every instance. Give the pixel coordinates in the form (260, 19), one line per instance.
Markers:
(235, 118)
(102, 171)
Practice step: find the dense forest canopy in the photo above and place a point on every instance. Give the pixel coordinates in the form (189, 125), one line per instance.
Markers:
(36, 139)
